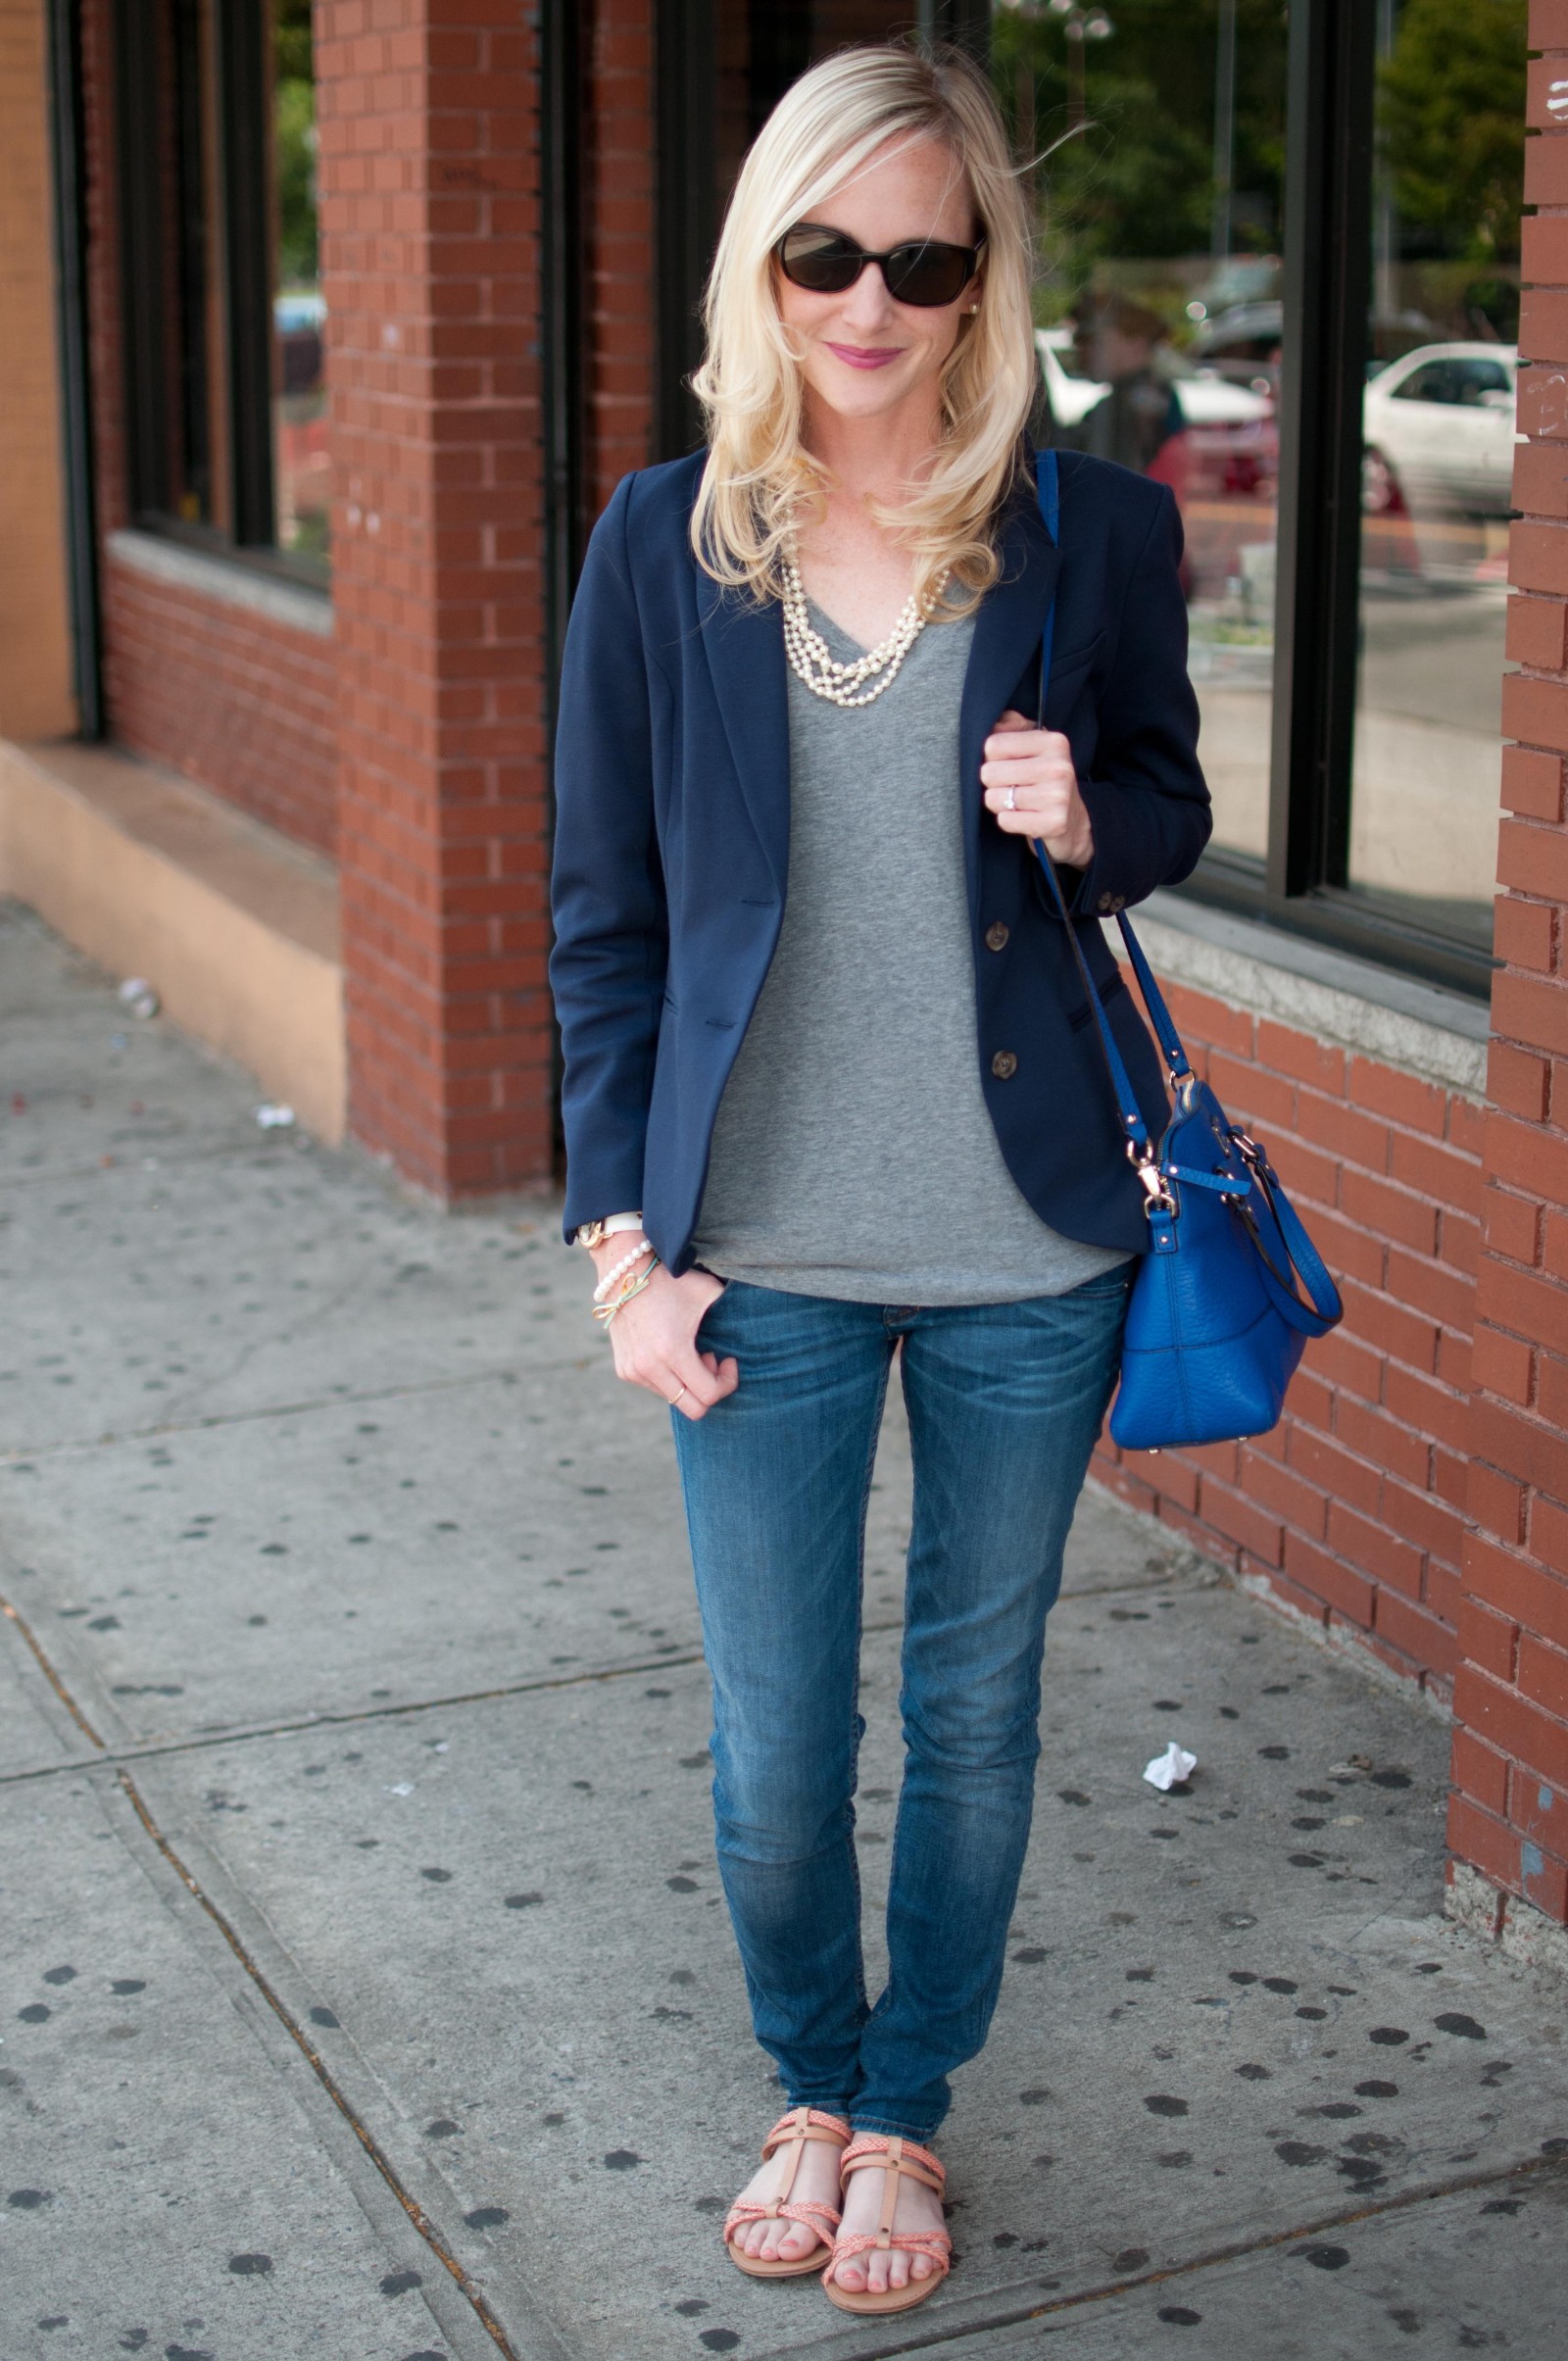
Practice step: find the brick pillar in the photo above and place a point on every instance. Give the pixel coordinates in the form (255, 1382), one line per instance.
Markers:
(1509, 1812)
(429, 118)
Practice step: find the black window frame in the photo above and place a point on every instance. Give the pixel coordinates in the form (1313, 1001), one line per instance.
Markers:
(1302, 884)
(242, 416)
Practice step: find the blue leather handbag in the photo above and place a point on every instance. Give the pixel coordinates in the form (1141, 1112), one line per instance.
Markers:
(1232, 1286)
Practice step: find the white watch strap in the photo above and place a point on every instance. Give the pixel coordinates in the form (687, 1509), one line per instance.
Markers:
(614, 1225)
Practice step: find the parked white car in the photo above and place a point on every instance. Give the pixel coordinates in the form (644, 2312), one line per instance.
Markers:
(1439, 427)
(1204, 398)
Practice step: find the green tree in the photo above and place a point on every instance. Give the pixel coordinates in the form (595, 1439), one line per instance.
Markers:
(294, 141)
(1450, 123)
(1137, 182)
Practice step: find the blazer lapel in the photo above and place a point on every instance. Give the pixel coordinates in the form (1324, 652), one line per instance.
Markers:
(1006, 632)
(745, 646)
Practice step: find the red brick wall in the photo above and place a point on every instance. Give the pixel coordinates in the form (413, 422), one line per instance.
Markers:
(1509, 1813)
(1353, 1509)
(429, 189)
(621, 259)
(232, 698)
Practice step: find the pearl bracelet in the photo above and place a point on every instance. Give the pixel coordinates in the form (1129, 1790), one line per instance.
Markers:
(618, 1270)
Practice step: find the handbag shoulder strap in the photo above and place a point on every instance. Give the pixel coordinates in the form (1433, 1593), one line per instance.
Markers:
(1049, 488)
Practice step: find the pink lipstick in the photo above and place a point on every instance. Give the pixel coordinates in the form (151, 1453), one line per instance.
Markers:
(860, 356)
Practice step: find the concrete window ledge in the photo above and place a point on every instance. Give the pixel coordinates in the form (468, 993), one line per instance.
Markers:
(228, 580)
(1415, 1027)
(236, 927)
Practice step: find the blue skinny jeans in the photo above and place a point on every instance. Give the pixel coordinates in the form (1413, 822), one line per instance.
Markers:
(1004, 1401)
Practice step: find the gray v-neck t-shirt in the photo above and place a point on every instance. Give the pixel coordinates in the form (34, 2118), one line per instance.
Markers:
(853, 1155)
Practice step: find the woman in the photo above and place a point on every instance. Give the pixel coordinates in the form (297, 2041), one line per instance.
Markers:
(870, 1111)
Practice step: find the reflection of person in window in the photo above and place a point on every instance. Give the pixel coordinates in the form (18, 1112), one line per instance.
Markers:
(1117, 341)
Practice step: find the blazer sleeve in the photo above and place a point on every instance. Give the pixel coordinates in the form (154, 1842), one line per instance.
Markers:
(1146, 800)
(612, 933)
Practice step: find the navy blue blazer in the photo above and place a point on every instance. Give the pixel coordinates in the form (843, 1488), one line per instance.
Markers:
(672, 842)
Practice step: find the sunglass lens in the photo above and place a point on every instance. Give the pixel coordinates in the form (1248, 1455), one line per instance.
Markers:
(825, 265)
(927, 274)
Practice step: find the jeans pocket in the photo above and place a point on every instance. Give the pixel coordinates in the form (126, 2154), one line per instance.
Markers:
(718, 1304)
(1106, 1286)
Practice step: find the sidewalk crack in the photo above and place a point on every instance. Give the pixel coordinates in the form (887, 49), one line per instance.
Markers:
(949, 2334)
(13, 1616)
(367, 2138)
(347, 1399)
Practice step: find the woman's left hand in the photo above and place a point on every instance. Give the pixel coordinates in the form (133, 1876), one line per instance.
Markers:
(1032, 788)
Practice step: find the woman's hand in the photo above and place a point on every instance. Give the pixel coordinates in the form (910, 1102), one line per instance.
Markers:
(654, 1339)
(1034, 767)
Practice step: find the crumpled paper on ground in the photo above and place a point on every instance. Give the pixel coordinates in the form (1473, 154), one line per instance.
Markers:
(1168, 1769)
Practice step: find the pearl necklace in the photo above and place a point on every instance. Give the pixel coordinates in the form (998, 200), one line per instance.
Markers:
(812, 660)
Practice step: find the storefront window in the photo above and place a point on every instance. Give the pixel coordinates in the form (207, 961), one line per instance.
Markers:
(1277, 270)
(174, 315)
(225, 324)
(1158, 204)
(1439, 433)
(302, 470)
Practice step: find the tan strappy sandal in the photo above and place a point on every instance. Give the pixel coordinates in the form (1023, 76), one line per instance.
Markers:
(897, 2157)
(790, 2134)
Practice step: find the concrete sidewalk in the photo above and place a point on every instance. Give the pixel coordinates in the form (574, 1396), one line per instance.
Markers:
(365, 1989)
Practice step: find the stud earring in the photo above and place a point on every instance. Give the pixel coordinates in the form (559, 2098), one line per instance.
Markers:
(973, 308)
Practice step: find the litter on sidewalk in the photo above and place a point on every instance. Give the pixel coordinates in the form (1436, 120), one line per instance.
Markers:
(1167, 1770)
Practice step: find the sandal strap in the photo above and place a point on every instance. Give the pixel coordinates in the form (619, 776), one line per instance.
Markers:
(934, 2244)
(802, 2124)
(812, 2212)
(791, 2135)
(896, 2156)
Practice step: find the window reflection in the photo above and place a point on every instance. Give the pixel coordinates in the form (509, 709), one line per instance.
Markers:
(188, 474)
(1159, 316)
(302, 470)
(1439, 442)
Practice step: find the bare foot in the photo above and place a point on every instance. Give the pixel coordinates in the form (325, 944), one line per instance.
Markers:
(816, 2178)
(918, 2208)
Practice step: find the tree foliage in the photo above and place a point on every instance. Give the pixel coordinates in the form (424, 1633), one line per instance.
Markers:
(294, 141)
(1451, 125)
(1138, 181)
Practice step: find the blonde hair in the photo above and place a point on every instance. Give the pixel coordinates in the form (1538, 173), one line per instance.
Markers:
(760, 483)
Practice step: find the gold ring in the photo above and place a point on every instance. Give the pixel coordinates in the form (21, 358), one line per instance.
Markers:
(673, 1398)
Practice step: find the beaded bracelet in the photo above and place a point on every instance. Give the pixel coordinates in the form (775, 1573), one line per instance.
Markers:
(618, 1270)
(604, 1313)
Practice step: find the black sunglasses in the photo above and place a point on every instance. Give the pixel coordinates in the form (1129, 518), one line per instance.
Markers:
(923, 272)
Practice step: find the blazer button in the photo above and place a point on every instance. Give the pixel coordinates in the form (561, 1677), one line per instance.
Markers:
(1003, 1066)
(1106, 902)
(997, 937)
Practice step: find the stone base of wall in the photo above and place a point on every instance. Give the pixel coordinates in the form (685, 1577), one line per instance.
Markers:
(1520, 1931)
(235, 928)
